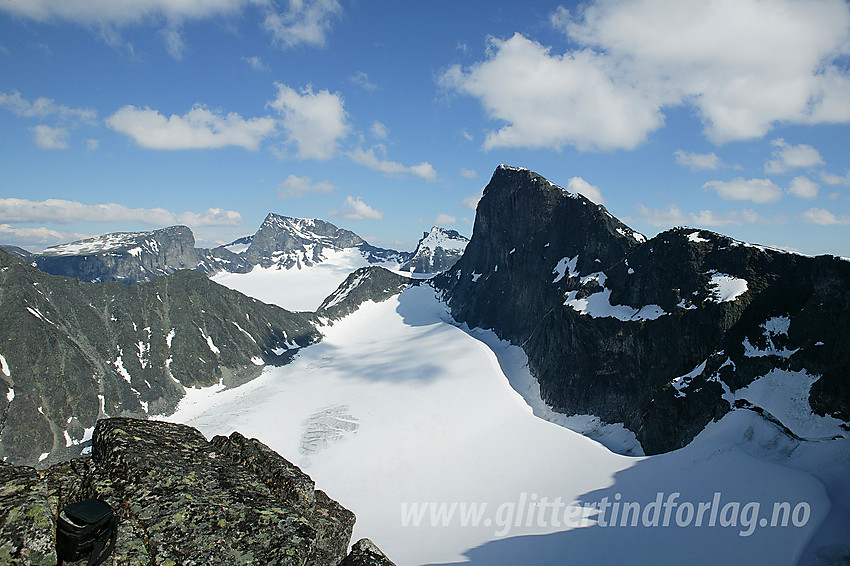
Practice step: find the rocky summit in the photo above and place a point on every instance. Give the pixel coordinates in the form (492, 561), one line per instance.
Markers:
(182, 500)
(71, 352)
(657, 334)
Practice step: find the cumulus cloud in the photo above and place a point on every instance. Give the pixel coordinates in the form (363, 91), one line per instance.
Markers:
(379, 130)
(471, 202)
(28, 236)
(369, 159)
(256, 63)
(295, 187)
(573, 101)
(315, 122)
(211, 217)
(824, 217)
(108, 16)
(361, 79)
(673, 216)
(15, 210)
(698, 161)
(468, 173)
(803, 187)
(355, 209)
(444, 219)
(46, 107)
(833, 179)
(303, 22)
(757, 190)
(582, 187)
(744, 65)
(786, 157)
(50, 138)
(200, 128)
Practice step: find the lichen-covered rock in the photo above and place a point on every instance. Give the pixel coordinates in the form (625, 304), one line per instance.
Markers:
(182, 500)
(27, 525)
(365, 553)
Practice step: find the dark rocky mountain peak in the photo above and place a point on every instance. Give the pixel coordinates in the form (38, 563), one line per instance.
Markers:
(614, 325)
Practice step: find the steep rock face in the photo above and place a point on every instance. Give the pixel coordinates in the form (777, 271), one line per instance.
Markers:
(183, 500)
(127, 257)
(437, 251)
(655, 334)
(366, 284)
(72, 351)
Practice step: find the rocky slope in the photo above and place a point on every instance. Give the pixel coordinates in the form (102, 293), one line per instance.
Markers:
(657, 334)
(372, 283)
(183, 500)
(71, 352)
(437, 251)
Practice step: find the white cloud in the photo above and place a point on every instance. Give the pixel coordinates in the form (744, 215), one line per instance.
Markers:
(573, 101)
(92, 144)
(833, 179)
(579, 185)
(468, 173)
(200, 128)
(786, 157)
(379, 130)
(256, 63)
(745, 65)
(471, 202)
(174, 43)
(757, 190)
(369, 159)
(355, 209)
(15, 210)
(314, 122)
(46, 107)
(28, 236)
(50, 138)
(698, 161)
(803, 187)
(211, 217)
(673, 216)
(108, 16)
(361, 79)
(304, 22)
(824, 217)
(444, 219)
(295, 187)
(120, 12)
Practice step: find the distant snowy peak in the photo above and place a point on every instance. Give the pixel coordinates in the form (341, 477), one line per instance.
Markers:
(289, 242)
(133, 243)
(437, 251)
(130, 257)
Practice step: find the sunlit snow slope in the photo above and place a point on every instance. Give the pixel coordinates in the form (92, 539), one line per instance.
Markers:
(297, 288)
(397, 407)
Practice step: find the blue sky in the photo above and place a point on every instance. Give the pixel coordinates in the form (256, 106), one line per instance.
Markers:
(388, 117)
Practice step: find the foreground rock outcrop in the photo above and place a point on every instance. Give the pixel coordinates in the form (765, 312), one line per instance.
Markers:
(183, 500)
